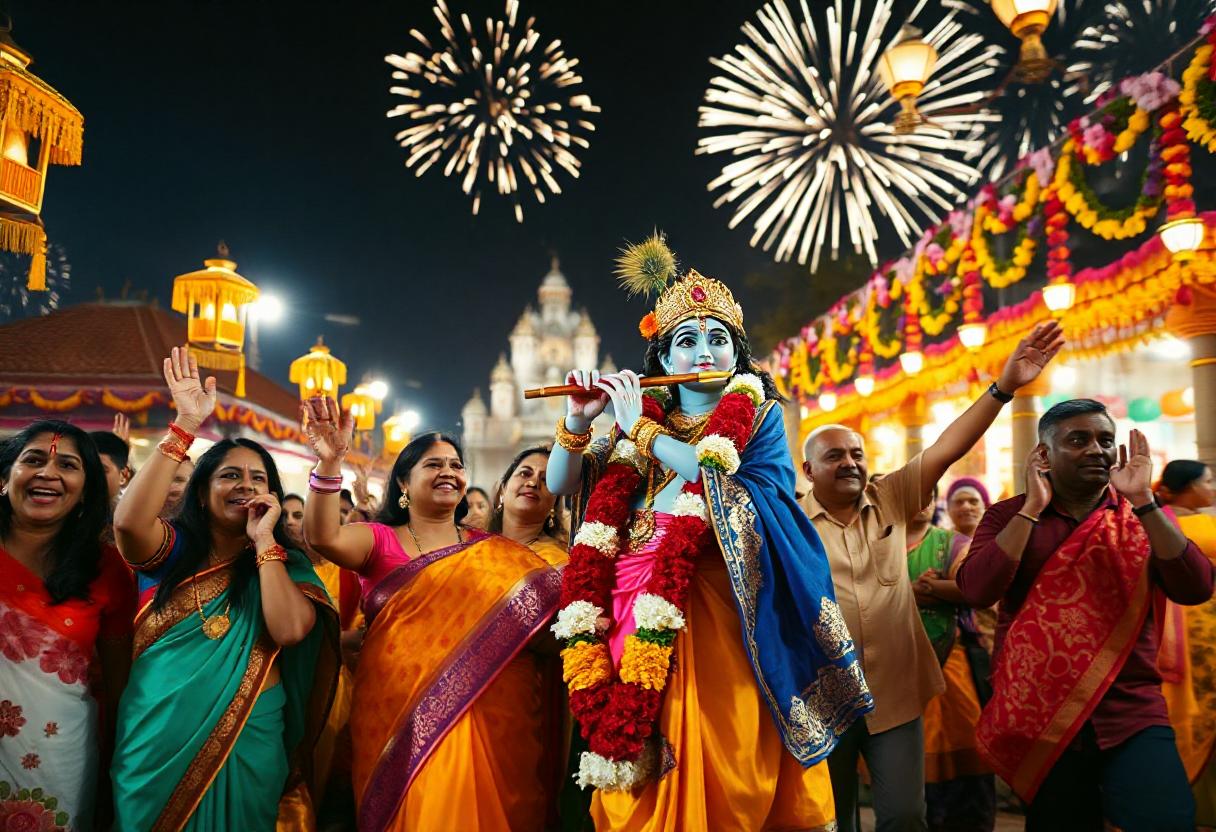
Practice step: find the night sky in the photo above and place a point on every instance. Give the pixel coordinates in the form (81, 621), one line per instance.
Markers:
(263, 123)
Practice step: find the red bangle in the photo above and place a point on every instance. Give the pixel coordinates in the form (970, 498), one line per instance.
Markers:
(182, 434)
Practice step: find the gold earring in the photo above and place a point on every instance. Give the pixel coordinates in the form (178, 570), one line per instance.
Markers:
(404, 500)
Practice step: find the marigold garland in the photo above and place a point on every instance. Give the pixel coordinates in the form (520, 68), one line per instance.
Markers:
(618, 716)
(872, 323)
(1198, 97)
(1082, 203)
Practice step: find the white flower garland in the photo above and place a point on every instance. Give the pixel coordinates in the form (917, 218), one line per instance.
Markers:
(719, 450)
(747, 383)
(690, 505)
(578, 618)
(653, 612)
(601, 773)
(598, 536)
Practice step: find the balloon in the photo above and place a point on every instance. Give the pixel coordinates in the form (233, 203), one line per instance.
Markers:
(1143, 409)
(1053, 399)
(1173, 404)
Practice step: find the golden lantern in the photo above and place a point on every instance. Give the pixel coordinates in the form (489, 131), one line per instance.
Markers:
(972, 335)
(1058, 296)
(318, 373)
(363, 406)
(905, 69)
(31, 112)
(1028, 19)
(215, 300)
(1183, 236)
(398, 431)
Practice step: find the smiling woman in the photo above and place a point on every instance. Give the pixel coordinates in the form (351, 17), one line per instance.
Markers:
(447, 719)
(234, 629)
(66, 603)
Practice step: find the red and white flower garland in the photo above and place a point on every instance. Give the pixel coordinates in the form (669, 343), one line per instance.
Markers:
(618, 709)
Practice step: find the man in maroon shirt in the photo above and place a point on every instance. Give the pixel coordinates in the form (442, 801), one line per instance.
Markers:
(1106, 749)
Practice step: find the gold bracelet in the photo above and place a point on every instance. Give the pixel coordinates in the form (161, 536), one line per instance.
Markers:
(273, 552)
(645, 432)
(575, 443)
(1025, 516)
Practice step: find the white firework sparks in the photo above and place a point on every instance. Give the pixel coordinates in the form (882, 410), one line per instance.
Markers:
(506, 116)
(808, 124)
(16, 300)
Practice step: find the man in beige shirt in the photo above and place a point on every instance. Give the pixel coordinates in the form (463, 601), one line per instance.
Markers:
(863, 530)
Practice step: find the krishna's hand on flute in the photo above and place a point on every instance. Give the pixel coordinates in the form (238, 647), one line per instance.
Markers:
(583, 408)
(625, 391)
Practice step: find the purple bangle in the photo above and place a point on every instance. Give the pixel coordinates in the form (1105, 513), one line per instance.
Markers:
(324, 485)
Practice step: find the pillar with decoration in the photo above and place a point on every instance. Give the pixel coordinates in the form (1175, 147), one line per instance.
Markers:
(1195, 323)
(913, 415)
(1024, 413)
(215, 300)
(38, 127)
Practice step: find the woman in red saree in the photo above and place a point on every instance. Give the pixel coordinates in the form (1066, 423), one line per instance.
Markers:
(448, 720)
(66, 605)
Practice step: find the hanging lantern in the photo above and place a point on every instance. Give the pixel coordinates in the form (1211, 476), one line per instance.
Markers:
(215, 300)
(1182, 236)
(905, 69)
(30, 110)
(363, 406)
(318, 373)
(973, 335)
(827, 401)
(864, 385)
(912, 362)
(1058, 296)
(1028, 19)
(398, 430)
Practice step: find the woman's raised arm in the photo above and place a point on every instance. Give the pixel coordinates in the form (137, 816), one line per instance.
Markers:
(329, 432)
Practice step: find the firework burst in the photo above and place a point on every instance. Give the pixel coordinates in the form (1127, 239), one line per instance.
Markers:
(17, 301)
(803, 114)
(505, 116)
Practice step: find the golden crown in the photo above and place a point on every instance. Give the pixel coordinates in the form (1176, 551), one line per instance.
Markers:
(696, 296)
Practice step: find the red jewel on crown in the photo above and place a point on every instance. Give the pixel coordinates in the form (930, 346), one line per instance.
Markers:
(698, 294)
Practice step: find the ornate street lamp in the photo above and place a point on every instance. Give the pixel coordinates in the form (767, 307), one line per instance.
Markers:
(398, 430)
(905, 69)
(363, 406)
(1028, 19)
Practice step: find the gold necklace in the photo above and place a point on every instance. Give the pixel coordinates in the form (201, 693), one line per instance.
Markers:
(688, 428)
(409, 527)
(215, 626)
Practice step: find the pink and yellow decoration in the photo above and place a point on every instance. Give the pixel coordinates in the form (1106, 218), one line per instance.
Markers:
(902, 334)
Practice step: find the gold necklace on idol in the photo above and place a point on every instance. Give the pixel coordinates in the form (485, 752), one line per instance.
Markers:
(684, 428)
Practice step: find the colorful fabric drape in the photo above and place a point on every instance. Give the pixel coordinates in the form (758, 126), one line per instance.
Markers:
(50, 718)
(1066, 645)
(203, 741)
(447, 721)
(1192, 694)
(934, 553)
(757, 698)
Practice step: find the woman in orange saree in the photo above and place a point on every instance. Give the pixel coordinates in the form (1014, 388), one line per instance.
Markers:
(447, 721)
(1187, 660)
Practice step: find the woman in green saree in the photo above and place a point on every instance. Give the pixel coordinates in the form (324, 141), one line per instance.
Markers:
(235, 656)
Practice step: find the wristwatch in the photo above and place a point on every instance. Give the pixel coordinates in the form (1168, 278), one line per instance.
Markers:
(999, 394)
(1150, 506)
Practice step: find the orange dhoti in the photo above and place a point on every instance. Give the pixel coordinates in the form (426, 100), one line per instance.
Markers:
(732, 771)
(951, 750)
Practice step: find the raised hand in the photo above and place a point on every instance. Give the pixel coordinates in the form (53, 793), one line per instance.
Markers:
(264, 511)
(122, 427)
(193, 398)
(1038, 486)
(363, 497)
(1031, 356)
(625, 391)
(328, 428)
(585, 407)
(1132, 476)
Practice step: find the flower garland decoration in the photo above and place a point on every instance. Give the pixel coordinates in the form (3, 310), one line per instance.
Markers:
(1112, 130)
(1198, 97)
(1055, 222)
(884, 291)
(618, 710)
(828, 352)
(973, 291)
(1002, 273)
(1082, 203)
(1176, 157)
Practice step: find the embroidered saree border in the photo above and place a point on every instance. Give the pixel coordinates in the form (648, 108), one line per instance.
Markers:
(216, 748)
(151, 624)
(471, 667)
(394, 581)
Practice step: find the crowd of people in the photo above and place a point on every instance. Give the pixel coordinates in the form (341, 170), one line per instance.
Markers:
(646, 631)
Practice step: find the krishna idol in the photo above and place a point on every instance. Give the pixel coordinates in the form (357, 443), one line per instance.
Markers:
(708, 665)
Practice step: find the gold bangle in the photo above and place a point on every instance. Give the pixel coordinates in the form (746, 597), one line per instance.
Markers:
(575, 443)
(272, 553)
(1025, 516)
(645, 432)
